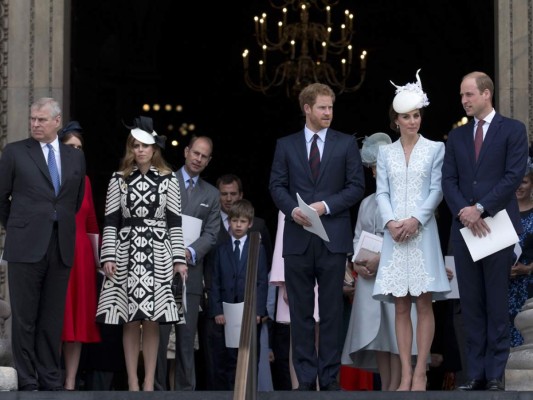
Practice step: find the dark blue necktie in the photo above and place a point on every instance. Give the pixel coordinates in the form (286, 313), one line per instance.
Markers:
(52, 167)
(237, 251)
(314, 158)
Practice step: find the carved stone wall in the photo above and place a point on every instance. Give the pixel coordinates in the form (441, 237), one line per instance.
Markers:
(514, 60)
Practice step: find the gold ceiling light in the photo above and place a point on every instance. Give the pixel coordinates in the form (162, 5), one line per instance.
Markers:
(303, 51)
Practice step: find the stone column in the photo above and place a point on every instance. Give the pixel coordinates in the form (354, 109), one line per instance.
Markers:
(514, 98)
(514, 60)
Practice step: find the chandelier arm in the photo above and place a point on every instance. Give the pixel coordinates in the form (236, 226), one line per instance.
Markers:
(310, 50)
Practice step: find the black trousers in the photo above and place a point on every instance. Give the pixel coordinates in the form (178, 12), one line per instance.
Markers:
(225, 359)
(37, 294)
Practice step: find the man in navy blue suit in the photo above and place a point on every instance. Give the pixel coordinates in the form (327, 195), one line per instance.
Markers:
(337, 185)
(476, 187)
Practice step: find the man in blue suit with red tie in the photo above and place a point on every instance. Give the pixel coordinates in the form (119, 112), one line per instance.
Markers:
(324, 167)
(484, 163)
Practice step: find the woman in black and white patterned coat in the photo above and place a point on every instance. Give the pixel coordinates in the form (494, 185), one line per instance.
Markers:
(142, 249)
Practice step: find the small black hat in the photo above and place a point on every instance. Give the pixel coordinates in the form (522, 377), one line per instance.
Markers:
(71, 126)
(143, 131)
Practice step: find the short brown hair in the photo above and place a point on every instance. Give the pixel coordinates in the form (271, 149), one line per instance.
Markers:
(483, 81)
(242, 209)
(309, 94)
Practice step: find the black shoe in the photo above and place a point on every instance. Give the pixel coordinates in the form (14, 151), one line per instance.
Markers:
(331, 387)
(474, 384)
(306, 387)
(28, 388)
(495, 385)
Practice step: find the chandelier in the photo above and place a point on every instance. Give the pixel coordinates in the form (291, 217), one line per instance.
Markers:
(304, 52)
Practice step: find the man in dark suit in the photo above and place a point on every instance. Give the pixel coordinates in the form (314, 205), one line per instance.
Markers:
(201, 201)
(38, 213)
(324, 167)
(230, 190)
(474, 188)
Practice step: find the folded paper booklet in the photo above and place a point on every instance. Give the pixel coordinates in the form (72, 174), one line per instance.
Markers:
(368, 246)
(502, 234)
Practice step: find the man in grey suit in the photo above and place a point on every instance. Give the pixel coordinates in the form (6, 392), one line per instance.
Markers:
(39, 217)
(201, 200)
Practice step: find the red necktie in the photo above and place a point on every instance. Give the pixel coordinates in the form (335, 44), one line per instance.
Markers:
(314, 158)
(478, 138)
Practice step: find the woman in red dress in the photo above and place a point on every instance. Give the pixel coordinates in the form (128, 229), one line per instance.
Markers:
(79, 324)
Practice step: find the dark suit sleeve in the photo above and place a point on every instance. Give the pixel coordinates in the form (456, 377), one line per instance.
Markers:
(279, 179)
(450, 177)
(211, 226)
(515, 166)
(6, 183)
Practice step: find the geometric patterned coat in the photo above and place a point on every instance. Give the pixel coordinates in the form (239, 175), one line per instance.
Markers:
(143, 236)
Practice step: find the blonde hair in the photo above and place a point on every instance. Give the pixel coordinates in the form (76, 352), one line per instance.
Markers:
(128, 161)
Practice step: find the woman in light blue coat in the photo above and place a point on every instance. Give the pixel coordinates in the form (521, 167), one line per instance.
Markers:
(411, 267)
(371, 338)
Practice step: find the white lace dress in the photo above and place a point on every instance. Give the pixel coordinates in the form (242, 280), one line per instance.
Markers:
(416, 266)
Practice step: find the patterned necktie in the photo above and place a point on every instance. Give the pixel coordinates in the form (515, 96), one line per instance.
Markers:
(478, 138)
(190, 187)
(314, 158)
(237, 251)
(52, 167)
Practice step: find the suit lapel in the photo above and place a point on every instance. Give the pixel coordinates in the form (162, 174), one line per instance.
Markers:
(300, 150)
(66, 160)
(36, 154)
(329, 149)
(468, 140)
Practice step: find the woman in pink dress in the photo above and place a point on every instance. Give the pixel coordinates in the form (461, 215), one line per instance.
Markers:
(79, 323)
